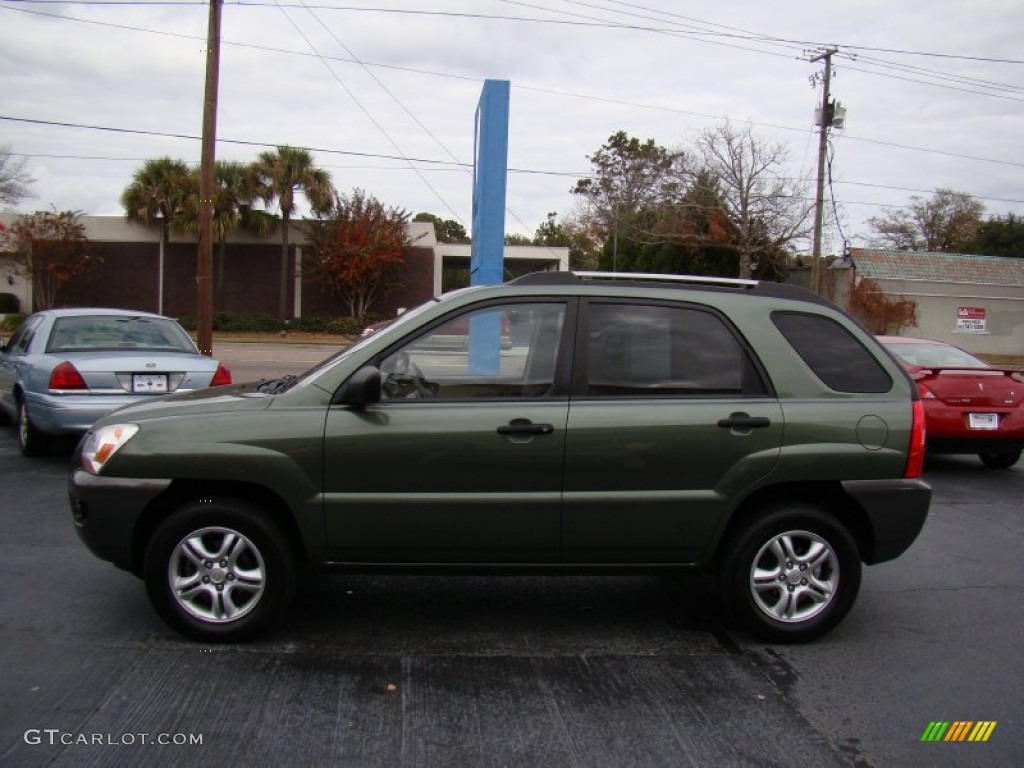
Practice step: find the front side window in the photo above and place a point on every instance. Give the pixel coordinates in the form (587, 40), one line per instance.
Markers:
(650, 350)
(506, 351)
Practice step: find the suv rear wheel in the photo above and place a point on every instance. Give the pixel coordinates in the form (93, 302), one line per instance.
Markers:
(792, 574)
(218, 570)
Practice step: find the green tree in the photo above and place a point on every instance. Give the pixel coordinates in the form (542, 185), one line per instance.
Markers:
(571, 234)
(446, 230)
(159, 191)
(630, 179)
(277, 176)
(999, 236)
(948, 221)
(50, 248)
(359, 250)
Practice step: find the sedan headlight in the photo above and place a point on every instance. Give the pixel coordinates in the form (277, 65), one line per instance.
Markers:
(103, 443)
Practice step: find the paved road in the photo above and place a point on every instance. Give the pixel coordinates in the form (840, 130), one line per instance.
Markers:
(504, 671)
(254, 361)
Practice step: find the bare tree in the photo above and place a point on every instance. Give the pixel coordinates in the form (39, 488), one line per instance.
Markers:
(14, 179)
(947, 221)
(768, 208)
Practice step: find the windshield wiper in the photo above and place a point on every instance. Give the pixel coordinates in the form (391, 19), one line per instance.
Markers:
(277, 386)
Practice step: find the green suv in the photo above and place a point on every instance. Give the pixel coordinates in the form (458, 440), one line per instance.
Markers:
(560, 422)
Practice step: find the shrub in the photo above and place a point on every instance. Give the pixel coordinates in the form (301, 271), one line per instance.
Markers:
(251, 322)
(11, 322)
(343, 326)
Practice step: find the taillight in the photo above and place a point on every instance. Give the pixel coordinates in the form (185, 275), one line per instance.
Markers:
(926, 393)
(221, 377)
(915, 456)
(66, 376)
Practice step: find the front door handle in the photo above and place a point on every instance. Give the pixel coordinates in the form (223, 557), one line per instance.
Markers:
(744, 421)
(520, 427)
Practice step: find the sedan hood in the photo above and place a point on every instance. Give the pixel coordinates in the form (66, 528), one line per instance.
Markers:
(234, 397)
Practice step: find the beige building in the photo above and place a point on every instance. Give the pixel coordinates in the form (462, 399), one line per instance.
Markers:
(974, 302)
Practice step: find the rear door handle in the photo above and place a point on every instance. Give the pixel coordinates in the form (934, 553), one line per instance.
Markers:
(525, 427)
(744, 421)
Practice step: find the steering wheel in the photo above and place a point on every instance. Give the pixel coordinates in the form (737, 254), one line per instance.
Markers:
(406, 380)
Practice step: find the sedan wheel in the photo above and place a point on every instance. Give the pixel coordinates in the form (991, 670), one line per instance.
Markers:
(219, 570)
(1003, 460)
(792, 574)
(30, 439)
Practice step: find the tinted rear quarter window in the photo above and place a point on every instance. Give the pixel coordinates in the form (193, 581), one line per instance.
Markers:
(834, 354)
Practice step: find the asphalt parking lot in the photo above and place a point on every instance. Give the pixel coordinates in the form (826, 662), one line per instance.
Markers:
(513, 671)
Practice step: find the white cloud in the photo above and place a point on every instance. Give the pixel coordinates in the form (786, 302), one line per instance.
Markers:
(667, 87)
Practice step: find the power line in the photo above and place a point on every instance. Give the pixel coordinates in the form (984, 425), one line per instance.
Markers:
(380, 128)
(730, 33)
(978, 83)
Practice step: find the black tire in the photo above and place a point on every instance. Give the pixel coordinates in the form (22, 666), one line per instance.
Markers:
(238, 567)
(1003, 460)
(31, 441)
(817, 593)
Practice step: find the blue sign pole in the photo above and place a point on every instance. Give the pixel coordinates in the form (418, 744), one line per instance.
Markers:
(487, 253)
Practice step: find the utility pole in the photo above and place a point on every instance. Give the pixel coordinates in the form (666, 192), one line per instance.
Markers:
(204, 261)
(819, 201)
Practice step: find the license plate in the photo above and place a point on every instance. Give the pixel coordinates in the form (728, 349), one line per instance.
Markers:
(149, 382)
(983, 420)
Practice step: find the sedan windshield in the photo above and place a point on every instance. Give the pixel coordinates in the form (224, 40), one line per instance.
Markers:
(935, 356)
(103, 333)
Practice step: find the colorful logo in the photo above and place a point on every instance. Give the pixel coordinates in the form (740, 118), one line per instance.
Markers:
(958, 730)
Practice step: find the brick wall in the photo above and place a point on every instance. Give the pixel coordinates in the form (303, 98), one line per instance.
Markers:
(127, 278)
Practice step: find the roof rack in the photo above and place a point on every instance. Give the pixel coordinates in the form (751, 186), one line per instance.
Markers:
(569, 278)
(735, 282)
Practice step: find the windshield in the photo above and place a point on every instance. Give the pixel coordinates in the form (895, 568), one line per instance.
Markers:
(398, 323)
(105, 333)
(935, 356)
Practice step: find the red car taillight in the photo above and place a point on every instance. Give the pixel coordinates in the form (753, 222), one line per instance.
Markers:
(221, 377)
(915, 456)
(66, 376)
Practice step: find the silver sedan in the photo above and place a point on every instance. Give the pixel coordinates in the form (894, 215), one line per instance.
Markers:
(65, 368)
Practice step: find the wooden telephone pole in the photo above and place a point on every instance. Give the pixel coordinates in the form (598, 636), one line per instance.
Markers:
(819, 204)
(207, 191)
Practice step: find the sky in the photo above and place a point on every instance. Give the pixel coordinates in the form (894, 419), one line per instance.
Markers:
(384, 93)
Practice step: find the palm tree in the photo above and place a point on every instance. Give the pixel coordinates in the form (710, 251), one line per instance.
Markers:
(233, 199)
(159, 190)
(278, 174)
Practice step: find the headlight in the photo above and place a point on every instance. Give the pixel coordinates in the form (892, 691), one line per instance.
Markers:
(103, 443)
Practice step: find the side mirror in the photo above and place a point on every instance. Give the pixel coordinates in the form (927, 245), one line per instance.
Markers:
(361, 389)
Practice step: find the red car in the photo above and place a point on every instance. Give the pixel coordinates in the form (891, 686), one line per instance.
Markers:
(969, 405)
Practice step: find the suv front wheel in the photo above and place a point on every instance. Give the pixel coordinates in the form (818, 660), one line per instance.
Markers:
(791, 574)
(219, 569)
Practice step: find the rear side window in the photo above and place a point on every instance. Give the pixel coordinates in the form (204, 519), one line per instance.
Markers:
(650, 350)
(833, 353)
